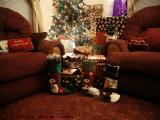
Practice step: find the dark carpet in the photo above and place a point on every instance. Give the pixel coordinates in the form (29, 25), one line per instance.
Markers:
(44, 106)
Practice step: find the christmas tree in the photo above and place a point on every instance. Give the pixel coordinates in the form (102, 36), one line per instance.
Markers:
(69, 21)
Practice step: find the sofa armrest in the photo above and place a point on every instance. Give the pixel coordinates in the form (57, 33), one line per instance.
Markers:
(48, 47)
(116, 46)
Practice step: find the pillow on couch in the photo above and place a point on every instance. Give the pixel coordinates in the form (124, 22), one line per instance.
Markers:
(20, 44)
(4, 46)
(138, 44)
(37, 38)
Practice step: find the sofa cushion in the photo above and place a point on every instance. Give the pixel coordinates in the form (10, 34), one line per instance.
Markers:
(12, 91)
(13, 27)
(145, 18)
(153, 34)
(20, 64)
(142, 62)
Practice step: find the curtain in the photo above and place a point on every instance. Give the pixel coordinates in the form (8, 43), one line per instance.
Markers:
(120, 8)
(108, 8)
(130, 9)
(37, 22)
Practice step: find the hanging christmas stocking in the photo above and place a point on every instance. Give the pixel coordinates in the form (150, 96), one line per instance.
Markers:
(54, 71)
(88, 68)
(111, 84)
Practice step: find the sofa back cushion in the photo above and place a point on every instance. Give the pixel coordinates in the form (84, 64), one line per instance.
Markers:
(153, 35)
(13, 24)
(142, 20)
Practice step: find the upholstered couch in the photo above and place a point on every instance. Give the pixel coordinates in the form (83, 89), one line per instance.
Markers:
(139, 63)
(22, 72)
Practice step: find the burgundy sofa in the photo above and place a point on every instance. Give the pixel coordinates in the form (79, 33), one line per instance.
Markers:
(139, 68)
(22, 73)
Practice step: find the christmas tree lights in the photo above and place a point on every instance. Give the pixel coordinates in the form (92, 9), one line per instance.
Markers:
(69, 21)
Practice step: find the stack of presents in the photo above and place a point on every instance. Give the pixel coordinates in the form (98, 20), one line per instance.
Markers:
(86, 70)
(78, 72)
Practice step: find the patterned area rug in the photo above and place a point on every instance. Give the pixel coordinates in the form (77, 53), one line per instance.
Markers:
(44, 106)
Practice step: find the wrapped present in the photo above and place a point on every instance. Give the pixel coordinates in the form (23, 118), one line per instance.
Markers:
(85, 50)
(111, 25)
(72, 60)
(99, 64)
(88, 66)
(99, 75)
(71, 79)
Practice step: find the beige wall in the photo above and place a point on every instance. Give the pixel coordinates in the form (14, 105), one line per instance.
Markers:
(144, 3)
(21, 6)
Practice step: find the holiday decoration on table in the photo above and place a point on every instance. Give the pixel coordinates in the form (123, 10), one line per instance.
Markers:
(68, 21)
